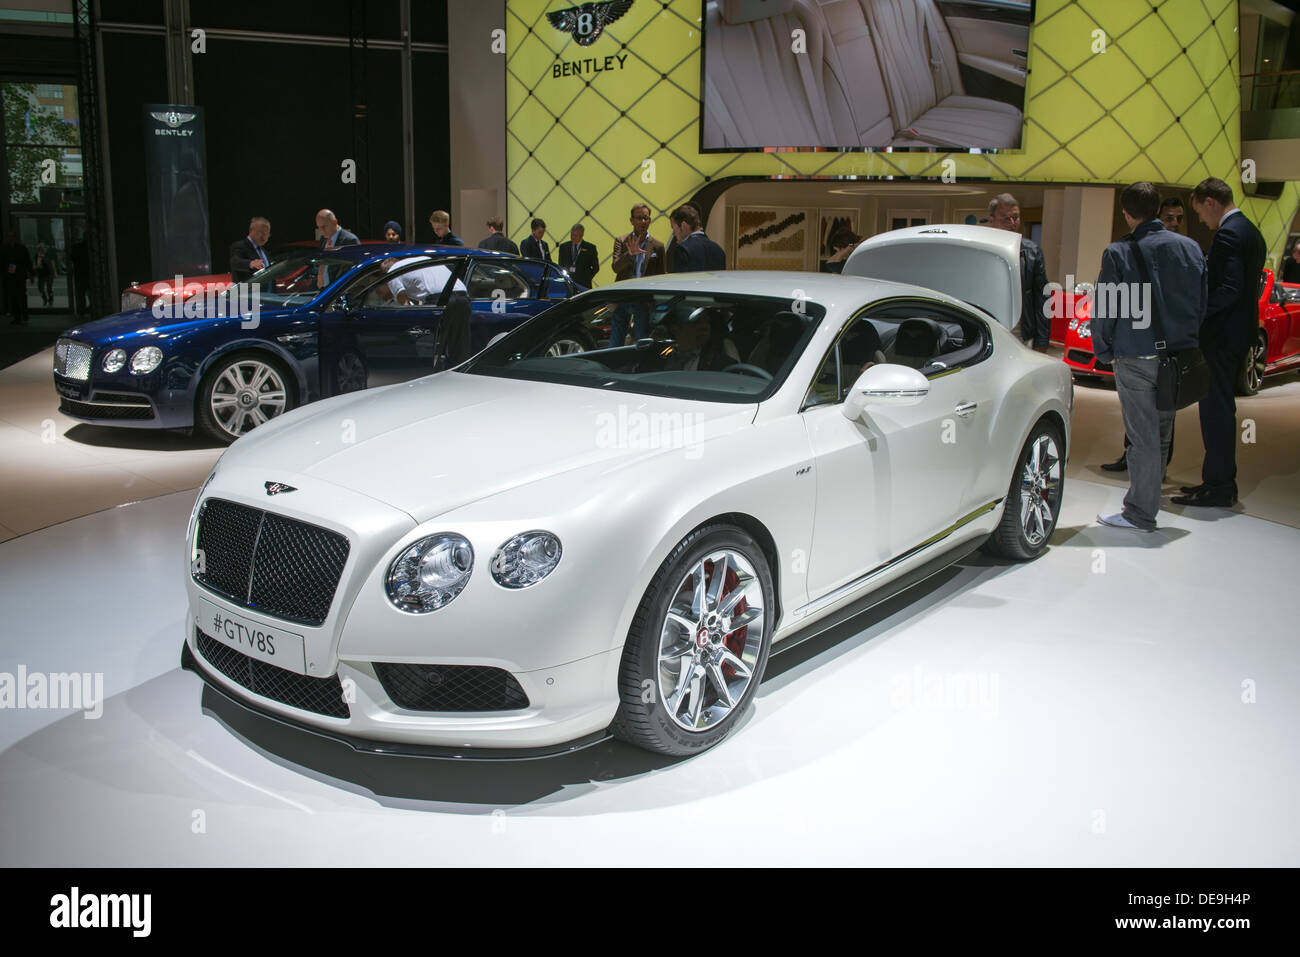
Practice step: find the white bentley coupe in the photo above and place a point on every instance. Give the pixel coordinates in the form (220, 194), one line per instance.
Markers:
(546, 546)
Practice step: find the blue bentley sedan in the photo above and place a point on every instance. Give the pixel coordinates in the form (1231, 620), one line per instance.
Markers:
(313, 324)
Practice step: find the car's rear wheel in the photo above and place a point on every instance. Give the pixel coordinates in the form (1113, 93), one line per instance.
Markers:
(1250, 377)
(240, 393)
(698, 645)
(1033, 502)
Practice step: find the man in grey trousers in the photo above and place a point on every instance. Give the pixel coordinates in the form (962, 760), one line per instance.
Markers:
(1126, 307)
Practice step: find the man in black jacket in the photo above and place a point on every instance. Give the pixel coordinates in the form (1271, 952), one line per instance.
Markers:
(694, 251)
(534, 246)
(1149, 297)
(248, 255)
(578, 257)
(1236, 258)
(16, 263)
(440, 220)
(332, 235)
(496, 238)
(1291, 265)
(1035, 319)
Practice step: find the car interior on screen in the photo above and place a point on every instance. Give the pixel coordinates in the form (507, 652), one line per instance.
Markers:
(873, 73)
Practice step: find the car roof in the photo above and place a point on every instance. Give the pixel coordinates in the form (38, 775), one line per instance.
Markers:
(371, 251)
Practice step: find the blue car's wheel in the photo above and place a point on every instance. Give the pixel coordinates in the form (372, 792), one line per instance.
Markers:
(240, 393)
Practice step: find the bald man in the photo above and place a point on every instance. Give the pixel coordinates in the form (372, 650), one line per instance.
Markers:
(332, 235)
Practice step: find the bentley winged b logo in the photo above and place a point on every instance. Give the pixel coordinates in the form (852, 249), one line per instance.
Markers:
(173, 118)
(275, 488)
(588, 20)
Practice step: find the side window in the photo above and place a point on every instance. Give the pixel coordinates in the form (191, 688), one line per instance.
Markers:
(487, 277)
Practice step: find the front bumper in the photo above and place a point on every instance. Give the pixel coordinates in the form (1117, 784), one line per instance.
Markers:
(121, 402)
(1082, 360)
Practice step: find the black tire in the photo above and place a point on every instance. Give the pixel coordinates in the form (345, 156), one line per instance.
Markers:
(1011, 539)
(1251, 374)
(206, 419)
(647, 723)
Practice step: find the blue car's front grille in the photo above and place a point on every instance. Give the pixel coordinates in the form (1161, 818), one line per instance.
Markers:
(269, 563)
(72, 359)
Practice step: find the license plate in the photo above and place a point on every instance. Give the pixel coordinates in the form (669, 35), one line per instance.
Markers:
(264, 642)
(71, 391)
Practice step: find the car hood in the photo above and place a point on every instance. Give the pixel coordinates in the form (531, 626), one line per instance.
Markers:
(143, 324)
(446, 440)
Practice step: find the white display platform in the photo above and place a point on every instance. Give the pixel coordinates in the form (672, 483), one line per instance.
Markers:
(1125, 700)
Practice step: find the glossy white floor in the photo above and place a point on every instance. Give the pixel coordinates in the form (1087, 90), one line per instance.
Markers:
(1125, 699)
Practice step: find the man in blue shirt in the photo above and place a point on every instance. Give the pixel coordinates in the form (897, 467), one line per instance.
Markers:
(1153, 277)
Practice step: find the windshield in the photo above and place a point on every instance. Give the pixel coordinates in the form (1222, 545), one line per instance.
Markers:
(299, 277)
(711, 346)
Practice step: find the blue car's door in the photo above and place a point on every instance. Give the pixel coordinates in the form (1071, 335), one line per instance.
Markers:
(507, 292)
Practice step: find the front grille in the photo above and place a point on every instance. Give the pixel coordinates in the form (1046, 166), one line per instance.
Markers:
(450, 687)
(72, 359)
(269, 563)
(106, 409)
(318, 695)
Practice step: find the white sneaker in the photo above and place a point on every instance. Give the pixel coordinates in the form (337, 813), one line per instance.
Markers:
(1119, 521)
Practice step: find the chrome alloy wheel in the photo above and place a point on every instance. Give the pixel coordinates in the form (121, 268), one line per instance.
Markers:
(565, 347)
(710, 640)
(1040, 490)
(1255, 364)
(247, 394)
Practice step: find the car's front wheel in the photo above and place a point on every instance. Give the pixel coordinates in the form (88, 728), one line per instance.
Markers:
(698, 645)
(1251, 374)
(240, 393)
(1033, 502)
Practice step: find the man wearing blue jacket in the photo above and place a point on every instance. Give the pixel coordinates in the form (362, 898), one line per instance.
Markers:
(1125, 308)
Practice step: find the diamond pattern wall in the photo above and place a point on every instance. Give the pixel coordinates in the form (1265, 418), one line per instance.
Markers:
(584, 142)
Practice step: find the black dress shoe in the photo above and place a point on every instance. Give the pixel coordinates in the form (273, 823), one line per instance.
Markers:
(1207, 498)
(1120, 465)
(1191, 489)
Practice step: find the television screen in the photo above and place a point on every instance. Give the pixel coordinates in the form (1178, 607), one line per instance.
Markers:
(864, 74)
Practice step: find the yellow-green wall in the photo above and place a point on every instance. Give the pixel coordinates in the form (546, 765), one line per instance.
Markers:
(1161, 104)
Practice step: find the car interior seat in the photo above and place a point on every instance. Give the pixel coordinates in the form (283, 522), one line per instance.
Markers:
(778, 336)
(926, 96)
(918, 341)
(861, 345)
(758, 91)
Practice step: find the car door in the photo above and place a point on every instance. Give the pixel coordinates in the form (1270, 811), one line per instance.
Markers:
(893, 478)
(501, 296)
(369, 339)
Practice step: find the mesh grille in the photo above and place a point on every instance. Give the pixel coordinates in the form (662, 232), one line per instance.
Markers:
(451, 687)
(269, 563)
(318, 695)
(72, 359)
(104, 410)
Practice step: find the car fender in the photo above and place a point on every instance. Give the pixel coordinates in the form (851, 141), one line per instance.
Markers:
(252, 344)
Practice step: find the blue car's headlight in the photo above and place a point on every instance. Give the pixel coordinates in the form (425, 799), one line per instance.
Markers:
(115, 360)
(430, 573)
(146, 360)
(526, 559)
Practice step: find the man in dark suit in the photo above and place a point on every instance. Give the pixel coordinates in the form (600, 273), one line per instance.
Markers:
(534, 246)
(1035, 319)
(578, 257)
(1131, 331)
(1231, 325)
(16, 266)
(694, 252)
(248, 255)
(496, 238)
(1291, 265)
(332, 236)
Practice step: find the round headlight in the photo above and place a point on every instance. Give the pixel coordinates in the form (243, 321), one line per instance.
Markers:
(114, 361)
(430, 573)
(526, 559)
(146, 360)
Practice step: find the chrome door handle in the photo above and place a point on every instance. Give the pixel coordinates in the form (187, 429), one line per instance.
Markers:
(967, 408)
(417, 331)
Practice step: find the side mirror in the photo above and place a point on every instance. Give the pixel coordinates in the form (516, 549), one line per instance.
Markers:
(343, 304)
(885, 385)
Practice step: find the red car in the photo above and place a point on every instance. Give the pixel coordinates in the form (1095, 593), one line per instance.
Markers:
(141, 295)
(1277, 348)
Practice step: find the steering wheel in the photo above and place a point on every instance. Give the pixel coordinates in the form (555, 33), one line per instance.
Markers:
(751, 369)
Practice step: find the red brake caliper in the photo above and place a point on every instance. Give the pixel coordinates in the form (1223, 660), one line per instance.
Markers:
(736, 640)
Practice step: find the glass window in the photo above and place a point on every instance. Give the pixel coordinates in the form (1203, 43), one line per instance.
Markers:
(42, 137)
(486, 278)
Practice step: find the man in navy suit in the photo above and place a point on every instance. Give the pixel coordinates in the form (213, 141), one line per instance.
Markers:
(534, 246)
(578, 257)
(332, 235)
(1231, 324)
(248, 255)
(694, 252)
